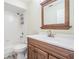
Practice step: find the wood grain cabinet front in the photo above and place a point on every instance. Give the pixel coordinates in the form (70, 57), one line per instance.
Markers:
(52, 57)
(42, 50)
(41, 54)
(31, 52)
(35, 53)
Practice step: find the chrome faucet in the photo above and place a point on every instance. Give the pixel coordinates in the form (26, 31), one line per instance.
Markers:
(50, 34)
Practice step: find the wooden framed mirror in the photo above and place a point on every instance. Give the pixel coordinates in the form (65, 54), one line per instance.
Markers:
(55, 14)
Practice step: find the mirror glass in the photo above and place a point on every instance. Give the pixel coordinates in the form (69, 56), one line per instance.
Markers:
(54, 13)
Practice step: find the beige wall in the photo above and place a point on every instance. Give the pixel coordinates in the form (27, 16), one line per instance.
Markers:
(34, 18)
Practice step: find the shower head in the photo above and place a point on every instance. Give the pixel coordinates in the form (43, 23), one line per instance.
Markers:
(18, 13)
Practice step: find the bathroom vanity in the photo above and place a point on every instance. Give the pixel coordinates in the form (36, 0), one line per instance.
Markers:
(49, 48)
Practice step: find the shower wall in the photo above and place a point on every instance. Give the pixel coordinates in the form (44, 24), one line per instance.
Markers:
(12, 23)
(12, 27)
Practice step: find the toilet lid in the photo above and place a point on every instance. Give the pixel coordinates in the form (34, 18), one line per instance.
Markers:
(20, 46)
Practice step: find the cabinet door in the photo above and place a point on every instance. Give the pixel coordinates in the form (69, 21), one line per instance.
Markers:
(52, 57)
(41, 54)
(31, 52)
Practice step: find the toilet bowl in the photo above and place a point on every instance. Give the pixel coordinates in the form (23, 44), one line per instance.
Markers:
(20, 50)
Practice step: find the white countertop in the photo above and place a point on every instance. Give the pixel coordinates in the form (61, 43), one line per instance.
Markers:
(59, 40)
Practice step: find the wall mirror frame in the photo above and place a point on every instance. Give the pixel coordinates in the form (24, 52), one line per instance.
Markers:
(64, 25)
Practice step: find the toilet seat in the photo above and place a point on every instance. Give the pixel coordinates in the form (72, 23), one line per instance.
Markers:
(19, 50)
(20, 47)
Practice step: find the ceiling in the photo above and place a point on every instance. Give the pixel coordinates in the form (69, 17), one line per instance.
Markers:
(13, 8)
(25, 1)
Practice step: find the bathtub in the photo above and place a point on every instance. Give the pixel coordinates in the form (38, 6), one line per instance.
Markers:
(8, 52)
(9, 46)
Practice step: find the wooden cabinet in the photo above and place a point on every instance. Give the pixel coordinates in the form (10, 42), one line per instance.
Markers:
(42, 50)
(32, 53)
(52, 57)
(41, 54)
(35, 53)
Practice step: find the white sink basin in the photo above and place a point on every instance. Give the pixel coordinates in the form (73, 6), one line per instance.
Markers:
(65, 41)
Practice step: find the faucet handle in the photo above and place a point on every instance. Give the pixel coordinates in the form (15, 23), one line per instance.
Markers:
(50, 34)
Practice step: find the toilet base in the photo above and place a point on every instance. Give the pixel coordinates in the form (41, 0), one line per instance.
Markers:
(20, 56)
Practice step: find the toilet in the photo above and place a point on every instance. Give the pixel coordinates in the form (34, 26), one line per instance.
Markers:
(20, 50)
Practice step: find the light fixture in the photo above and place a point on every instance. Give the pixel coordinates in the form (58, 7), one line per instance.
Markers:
(42, 0)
